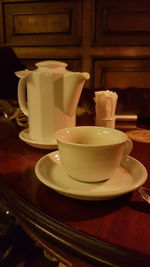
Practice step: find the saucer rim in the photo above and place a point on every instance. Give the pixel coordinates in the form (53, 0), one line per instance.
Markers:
(35, 143)
(90, 195)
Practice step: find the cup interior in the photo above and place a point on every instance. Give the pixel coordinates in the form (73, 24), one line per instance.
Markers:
(91, 135)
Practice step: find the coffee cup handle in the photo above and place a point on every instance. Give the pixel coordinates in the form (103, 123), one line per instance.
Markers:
(128, 148)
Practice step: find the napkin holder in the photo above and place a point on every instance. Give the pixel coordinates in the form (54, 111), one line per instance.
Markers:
(105, 107)
(110, 123)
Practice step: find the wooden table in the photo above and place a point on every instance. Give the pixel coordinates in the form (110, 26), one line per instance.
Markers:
(79, 233)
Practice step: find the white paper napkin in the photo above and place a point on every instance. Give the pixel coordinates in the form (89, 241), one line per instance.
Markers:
(105, 108)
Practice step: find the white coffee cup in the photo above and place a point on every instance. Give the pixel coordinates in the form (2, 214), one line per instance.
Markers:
(91, 153)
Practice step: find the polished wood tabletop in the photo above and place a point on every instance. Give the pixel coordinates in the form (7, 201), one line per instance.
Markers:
(113, 232)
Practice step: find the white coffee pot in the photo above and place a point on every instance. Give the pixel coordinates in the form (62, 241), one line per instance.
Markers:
(49, 96)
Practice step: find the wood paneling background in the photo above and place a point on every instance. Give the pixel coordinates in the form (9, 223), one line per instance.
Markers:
(42, 24)
(108, 38)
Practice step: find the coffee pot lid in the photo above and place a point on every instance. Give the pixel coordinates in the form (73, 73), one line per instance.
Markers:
(51, 66)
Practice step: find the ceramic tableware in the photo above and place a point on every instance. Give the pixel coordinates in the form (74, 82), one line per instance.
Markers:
(24, 136)
(129, 176)
(49, 96)
(90, 153)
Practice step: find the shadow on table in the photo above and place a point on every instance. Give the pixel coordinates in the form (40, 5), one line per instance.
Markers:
(60, 207)
(139, 206)
(64, 208)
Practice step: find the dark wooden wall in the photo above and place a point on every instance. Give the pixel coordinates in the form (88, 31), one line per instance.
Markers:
(108, 38)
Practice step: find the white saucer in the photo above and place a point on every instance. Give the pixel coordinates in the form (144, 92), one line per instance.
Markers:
(24, 136)
(130, 176)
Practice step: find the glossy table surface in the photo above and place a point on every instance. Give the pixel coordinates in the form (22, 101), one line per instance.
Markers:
(104, 233)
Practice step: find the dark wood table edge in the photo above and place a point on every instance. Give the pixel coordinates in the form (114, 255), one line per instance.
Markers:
(87, 248)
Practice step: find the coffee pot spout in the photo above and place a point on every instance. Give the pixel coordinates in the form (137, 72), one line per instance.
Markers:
(72, 87)
(22, 73)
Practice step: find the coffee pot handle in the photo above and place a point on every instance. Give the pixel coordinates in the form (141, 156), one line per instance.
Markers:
(22, 95)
